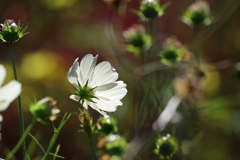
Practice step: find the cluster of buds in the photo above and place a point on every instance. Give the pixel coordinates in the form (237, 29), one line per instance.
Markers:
(137, 40)
(113, 145)
(198, 14)
(107, 125)
(150, 9)
(11, 32)
(173, 52)
(166, 146)
(45, 109)
(86, 122)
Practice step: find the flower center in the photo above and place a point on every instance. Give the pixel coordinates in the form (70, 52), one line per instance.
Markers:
(85, 92)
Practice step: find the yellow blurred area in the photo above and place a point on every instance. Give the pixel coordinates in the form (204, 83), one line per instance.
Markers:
(212, 81)
(37, 65)
(58, 4)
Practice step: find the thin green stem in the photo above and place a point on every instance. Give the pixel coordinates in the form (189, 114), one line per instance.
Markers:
(58, 130)
(141, 111)
(92, 146)
(22, 139)
(196, 35)
(19, 102)
(147, 84)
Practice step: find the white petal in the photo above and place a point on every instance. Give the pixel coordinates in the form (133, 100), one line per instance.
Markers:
(1, 118)
(167, 113)
(108, 106)
(74, 73)
(115, 93)
(2, 74)
(106, 87)
(87, 67)
(95, 107)
(8, 93)
(104, 73)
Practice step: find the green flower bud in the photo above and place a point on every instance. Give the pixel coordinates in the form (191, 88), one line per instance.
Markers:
(86, 122)
(44, 109)
(107, 125)
(173, 52)
(198, 14)
(150, 9)
(166, 146)
(11, 32)
(137, 40)
(114, 145)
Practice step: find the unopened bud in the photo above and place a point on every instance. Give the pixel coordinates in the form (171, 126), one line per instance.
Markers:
(45, 109)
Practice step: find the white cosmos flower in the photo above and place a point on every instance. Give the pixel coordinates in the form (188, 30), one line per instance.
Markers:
(96, 84)
(8, 92)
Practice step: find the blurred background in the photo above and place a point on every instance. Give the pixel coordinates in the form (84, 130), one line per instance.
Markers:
(59, 31)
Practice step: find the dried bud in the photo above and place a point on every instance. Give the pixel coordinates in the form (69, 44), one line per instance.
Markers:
(137, 40)
(166, 146)
(190, 86)
(44, 109)
(85, 122)
(11, 32)
(198, 14)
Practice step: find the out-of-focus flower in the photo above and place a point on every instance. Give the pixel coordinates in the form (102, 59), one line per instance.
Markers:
(137, 40)
(167, 146)
(11, 32)
(86, 122)
(107, 125)
(8, 92)
(189, 86)
(113, 145)
(44, 109)
(150, 9)
(167, 115)
(96, 85)
(198, 14)
(173, 52)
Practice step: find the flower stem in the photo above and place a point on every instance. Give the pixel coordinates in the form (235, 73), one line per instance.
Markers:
(147, 84)
(92, 146)
(22, 139)
(19, 102)
(58, 130)
(196, 35)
